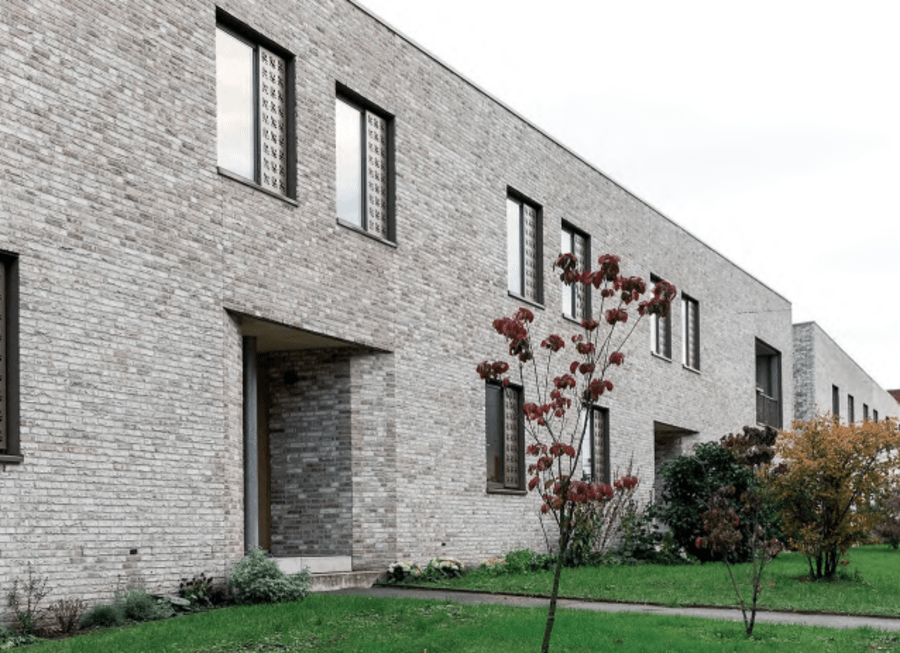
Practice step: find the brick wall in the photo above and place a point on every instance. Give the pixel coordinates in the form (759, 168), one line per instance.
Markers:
(137, 259)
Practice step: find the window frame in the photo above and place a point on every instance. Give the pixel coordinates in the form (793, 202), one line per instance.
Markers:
(690, 337)
(572, 232)
(776, 380)
(851, 409)
(246, 34)
(498, 413)
(356, 101)
(865, 412)
(655, 348)
(835, 402)
(515, 196)
(10, 449)
(874, 415)
(600, 470)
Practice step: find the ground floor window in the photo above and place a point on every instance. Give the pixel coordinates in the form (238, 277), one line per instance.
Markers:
(505, 437)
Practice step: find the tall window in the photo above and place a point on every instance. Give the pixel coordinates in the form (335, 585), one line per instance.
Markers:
(523, 249)
(835, 402)
(595, 448)
(505, 437)
(363, 166)
(865, 412)
(660, 330)
(9, 361)
(252, 115)
(768, 385)
(851, 410)
(576, 299)
(691, 344)
(875, 415)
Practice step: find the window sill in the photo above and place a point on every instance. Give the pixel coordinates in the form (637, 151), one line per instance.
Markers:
(9, 459)
(691, 369)
(668, 359)
(252, 184)
(510, 491)
(569, 318)
(525, 299)
(367, 234)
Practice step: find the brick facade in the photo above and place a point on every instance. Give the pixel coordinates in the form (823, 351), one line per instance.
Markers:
(820, 365)
(141, 268)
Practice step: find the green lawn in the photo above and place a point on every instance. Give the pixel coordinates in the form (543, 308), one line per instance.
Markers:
(355, 623)
(870, 585)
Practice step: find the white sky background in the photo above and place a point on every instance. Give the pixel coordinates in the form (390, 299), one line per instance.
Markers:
(769, 130)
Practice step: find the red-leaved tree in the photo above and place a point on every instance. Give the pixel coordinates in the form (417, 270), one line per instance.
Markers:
(561, 387)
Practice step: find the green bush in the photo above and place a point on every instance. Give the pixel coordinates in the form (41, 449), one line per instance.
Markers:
(138, 605)
(521, 561)
(9, 638)
(257, 579)
(690, 481)
(103, 616)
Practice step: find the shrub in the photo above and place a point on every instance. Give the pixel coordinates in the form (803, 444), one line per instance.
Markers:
(25, 598)
(401, 571)
(642, 543)
(197, 591)
(689, 483)
(66, 613)
(139, 605)
(9, 638)
(257, 579)
(521, 561)
(888, 510)
(103, 616)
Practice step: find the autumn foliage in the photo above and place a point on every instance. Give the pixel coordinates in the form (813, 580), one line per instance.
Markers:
(829, 477)
(562, 379)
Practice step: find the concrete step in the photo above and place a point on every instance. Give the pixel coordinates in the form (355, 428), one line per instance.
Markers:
(329, 582)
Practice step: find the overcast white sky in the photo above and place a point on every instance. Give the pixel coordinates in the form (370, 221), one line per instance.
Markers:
(770, 130)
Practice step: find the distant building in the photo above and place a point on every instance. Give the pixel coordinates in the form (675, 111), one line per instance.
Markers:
(827, 380)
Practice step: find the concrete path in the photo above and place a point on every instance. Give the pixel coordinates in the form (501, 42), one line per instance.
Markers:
(827, 620)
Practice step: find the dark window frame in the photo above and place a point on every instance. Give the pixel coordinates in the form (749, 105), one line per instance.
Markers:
(691, 337)
(495, 415)
(865, 412)
(522, 200)
(874, 415)
(350, 97)
(572, 231)
(255, 39)
(664, 349)
(835, 402)
(851, 409)
(769, 391)
(10, 449)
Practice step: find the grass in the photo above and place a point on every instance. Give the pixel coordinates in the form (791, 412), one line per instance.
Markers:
(355, 623)
(869, 586)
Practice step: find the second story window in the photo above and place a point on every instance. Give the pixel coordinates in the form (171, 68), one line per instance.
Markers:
(523, 249)
(851, 410)
(251, 108)
(576, 299)
(363, 167)
(835, 401)
(660, 330)
(595, 447)
(691, 344)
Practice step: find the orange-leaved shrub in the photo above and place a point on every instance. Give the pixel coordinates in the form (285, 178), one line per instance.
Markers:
(829, 476)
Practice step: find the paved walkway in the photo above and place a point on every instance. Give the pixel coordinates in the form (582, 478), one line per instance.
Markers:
(828, 620)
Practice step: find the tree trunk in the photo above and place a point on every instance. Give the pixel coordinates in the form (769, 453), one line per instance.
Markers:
(554, 593)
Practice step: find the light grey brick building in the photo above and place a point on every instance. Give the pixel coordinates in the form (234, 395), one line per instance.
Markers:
(827, 380)
(251, 255)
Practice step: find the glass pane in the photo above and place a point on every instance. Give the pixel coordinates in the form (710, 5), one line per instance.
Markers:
(234, 105)
(587, 445)
(514, 246)
(348, 125)
(566, 248)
